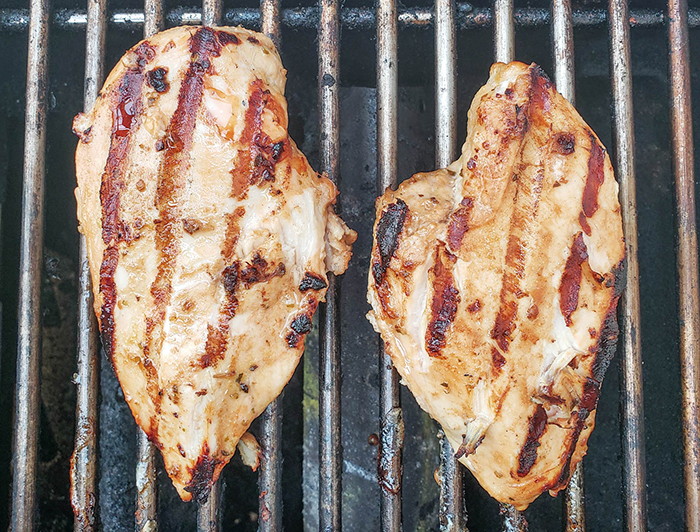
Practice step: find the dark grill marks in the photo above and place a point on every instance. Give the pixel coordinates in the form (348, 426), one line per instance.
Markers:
(587, 404)
(202, 476)
(127, 106)
(595, 177)
(497, 360)
(459, 224)
(158, 79)
(571, 278)
(583, 222)
(528, 453)
(387, 238)
(173, 169)
(443, 307)
(217, 337)
(312, 281)
(388, 231)
(256, 164)
(257, 271)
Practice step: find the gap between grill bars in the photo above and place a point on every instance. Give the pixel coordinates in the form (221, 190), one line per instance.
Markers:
(447, 16)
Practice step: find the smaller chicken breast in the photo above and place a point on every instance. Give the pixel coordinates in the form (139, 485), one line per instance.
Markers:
(494, 285)
(209, 239)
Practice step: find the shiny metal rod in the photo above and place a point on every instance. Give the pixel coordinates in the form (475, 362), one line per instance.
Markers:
(146, 514)
(212, 11)
(633, 476)
(270, 476)
(146, 486)
(451, 514)
(564, 80)
(27, 394)
(330, 458)
(504, 31)
(84, 460)
(504, 52)
(683, 160)
(390, 458)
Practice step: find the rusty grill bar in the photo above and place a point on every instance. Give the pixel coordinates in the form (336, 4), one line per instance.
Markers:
(446, 17)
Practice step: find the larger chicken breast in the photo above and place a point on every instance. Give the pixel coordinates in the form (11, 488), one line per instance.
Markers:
(209, 238)
(494, 284)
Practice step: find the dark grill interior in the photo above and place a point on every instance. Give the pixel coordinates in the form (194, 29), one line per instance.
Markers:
(659, 280)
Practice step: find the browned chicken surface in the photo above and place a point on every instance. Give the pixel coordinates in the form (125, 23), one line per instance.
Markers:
(209, 238)
(494, 284)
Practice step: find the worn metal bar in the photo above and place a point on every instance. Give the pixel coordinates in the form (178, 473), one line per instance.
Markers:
(208, 515)
(350, 18)
(390, 458)
(689, 305)
(564, 80)
(330, 459)
(504, 52)
(451, 514)
(27, 394)
(84, 461)
(270, 477)
(146, 514)
(504, 31)
(208, 518)
(633, 477)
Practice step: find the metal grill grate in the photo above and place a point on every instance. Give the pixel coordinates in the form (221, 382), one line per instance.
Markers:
(447, 17)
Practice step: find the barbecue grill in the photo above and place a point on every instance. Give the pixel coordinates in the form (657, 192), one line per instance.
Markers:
(376, 92)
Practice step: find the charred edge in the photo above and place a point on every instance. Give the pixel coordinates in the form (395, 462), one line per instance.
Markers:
(312, 281)
(202, 476)
(158, 79)
(607, 343)
(595, 177)
(387, 237)
(225, 38)
(565, 143)
(571, 278)
(301, 325)
(587, 404)
(459, 224)
(203, 46)
(108, 290)
(257, 271)
(497, 359)
(583, 222)
(528, 453)
(443, 307)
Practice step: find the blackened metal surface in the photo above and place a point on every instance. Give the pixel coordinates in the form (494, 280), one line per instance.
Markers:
(659, 293)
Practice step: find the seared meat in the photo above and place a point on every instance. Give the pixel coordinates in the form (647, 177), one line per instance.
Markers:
(494, 284)
(209, 238)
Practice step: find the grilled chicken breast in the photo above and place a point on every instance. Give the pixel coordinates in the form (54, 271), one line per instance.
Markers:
(209, 238)
(494, 284)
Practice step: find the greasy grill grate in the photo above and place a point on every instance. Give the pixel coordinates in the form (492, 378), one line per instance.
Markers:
(446, 17)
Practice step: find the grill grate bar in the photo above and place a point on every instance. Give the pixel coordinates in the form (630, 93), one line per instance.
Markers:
(634, 485)
(466, 17)
(330, 459)
(390, 463)
(682, 131)
(208, 514)
(84, 461)
(504, 52)
(565, 82)
(146, 515)
(270, 476)
(451, 515)
(24, 460)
